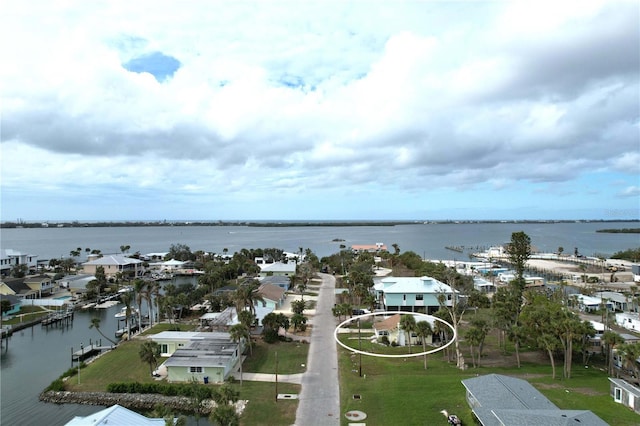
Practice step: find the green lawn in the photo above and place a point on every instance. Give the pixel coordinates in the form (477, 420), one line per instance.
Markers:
(27, 313)
(401, 391)
(291, 358)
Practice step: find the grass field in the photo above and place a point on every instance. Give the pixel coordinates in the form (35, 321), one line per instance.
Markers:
(400, 391)
(390, 391)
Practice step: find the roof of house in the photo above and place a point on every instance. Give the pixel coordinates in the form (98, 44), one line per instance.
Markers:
(634, 390)
(37, 278)
(113, 259)
(115, 415)
(190, 335)
(378, 246)
(275, 280)
(504, 401)
(408, 285)
(278, 267)
(271, 292)
(18, 286)
(390, 323)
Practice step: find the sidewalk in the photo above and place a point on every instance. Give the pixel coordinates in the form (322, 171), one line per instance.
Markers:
(263, 377)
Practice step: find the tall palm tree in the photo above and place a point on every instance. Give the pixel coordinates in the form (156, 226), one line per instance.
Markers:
(238, 333)
(95, 323)
(247, 295)
(408, 324)
(126, 298)
(611, 340)
(424, 330)
(139, 288)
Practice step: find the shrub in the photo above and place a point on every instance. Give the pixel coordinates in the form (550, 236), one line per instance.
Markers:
(270, 336)
(56, 386)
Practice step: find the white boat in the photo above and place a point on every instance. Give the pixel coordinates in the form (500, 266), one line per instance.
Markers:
(123, 313)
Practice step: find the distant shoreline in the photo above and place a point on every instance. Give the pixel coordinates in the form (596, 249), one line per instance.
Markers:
(276, 223)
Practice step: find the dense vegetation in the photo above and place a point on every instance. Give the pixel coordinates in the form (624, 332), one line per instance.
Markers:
(632, 255)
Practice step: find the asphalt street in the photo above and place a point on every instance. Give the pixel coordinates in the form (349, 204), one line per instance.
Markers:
(320, 396)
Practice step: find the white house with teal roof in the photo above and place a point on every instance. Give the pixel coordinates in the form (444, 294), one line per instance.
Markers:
(413, 294)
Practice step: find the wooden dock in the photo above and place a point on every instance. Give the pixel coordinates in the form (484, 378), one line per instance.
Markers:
(88, 351)
(56, 318)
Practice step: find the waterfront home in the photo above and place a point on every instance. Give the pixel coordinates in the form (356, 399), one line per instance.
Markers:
(10, 258)
(272, 295)
(43, 284)
(625, 393)
(17, 287)
(200, 356)
(496, 399)
(116, 415)
(76, 284)
(413, 294)
(275, 268)
(369, 248)
(14, 302)
(114, 264)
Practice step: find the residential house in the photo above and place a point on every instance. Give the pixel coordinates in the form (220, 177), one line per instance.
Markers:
(281, 281)
(369, 248)
(390, 327)
(275, 268)
(116, 415)
(14, 302)
(43, 284)
(590, 303)
(114, 264)
(76, 284)
(628, 320)
(413, 294)
(17, 287)
(10, 258)
(483, 285)
(200, 356)
(620, 301)
(625, 393)
(272, 295)
(498, 400)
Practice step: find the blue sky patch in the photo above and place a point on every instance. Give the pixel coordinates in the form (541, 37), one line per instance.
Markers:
(157, 64)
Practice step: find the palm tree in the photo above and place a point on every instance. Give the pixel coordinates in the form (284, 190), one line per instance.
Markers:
(139, 287)
(238, 333)
(611, 340)
(150, 352)
(424, 330)
(95, 323)
(224, 415)
(247, 295)
(126, 298)
(408, 324)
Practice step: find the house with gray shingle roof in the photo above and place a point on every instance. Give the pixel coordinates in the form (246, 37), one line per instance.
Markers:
(498, 400)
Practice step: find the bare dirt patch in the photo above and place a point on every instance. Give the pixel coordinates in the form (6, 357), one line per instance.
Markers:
(583, 391)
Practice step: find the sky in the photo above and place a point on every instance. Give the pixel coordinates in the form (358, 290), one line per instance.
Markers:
(319, 110)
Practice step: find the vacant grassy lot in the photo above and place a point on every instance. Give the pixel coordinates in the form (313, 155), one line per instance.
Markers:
(401, 391)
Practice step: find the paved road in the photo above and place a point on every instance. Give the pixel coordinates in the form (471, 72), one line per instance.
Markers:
(320, 396)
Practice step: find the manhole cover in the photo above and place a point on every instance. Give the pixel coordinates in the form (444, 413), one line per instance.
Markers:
(357, 396)
(355, 415)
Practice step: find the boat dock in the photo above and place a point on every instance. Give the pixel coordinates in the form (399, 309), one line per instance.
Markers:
(56, 318)
(88, 351)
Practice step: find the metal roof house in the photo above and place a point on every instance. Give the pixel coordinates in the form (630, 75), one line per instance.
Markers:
(115, 415)
(498, 400)
(412, 294)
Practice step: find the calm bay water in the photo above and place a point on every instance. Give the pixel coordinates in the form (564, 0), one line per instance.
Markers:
(426, 240)
(37, 356)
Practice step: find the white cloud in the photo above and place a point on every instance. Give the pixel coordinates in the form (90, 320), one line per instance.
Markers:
(411, 98)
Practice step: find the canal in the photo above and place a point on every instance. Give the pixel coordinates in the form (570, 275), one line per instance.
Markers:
(34, 357)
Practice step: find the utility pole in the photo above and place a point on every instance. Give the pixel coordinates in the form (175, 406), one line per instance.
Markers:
(276, 376)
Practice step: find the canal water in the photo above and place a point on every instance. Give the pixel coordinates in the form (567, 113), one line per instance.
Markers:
(35, 356)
